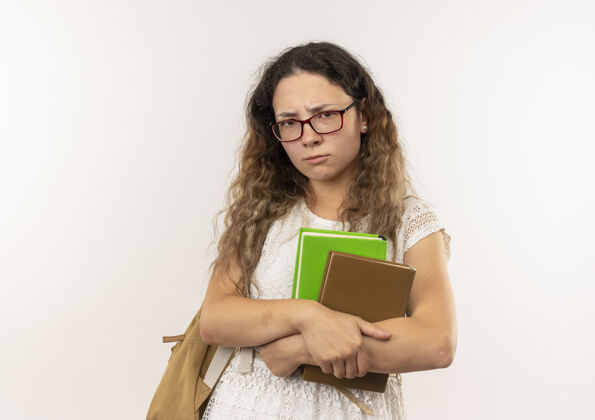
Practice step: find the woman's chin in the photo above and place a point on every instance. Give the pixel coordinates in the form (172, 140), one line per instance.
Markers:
(321, 176)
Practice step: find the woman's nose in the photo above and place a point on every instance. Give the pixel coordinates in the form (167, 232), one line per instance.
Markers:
(309, 135)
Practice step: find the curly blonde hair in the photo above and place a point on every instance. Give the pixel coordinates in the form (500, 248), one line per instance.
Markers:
(267, 185)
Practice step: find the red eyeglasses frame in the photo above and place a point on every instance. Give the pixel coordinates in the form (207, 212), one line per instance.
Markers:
(307, 121)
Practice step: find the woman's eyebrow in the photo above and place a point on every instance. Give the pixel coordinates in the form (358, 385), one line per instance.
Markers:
(314, 109)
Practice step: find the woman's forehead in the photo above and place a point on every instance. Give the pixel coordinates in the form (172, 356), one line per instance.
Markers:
(306, 92)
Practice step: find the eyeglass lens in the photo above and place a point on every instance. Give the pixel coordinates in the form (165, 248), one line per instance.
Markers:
(322, 123)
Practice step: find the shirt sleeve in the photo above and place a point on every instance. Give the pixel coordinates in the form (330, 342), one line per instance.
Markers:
(420, 220)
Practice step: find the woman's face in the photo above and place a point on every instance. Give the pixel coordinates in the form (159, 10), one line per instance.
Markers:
(298, 94)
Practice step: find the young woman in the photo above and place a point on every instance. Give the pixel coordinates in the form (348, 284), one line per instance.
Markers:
(321, 150)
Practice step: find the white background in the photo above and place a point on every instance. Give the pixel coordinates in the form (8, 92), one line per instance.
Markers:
(119, 124)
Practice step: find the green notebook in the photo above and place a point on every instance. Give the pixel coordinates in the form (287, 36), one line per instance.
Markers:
(312, 251)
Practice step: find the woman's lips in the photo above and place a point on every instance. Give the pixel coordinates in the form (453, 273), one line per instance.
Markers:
(318, 159)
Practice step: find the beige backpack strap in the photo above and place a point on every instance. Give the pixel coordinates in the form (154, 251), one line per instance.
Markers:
(220, 359)
(246, 356)
(172, 338)
(362, 405)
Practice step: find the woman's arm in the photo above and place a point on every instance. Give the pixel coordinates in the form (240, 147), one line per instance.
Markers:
(427, 338)
(424, 340)
(238, 321)
(228, 319)
(231, 320)
(413, 347)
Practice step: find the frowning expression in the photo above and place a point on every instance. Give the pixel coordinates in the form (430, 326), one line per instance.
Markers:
(299, 97)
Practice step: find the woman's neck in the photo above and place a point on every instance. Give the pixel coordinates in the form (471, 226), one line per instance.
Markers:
(326, 196)
(326, 202)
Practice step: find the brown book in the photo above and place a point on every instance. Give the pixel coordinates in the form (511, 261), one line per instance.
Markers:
(370, 288)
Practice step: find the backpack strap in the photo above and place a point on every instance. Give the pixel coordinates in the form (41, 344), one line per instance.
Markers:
(246, 356)
(365, 408)
(220, 359)
(362, 405)
(172, 338)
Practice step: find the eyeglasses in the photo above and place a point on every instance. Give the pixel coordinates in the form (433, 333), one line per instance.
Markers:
(324, 122)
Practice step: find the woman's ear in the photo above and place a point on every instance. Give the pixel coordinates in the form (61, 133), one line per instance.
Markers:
(362, 117)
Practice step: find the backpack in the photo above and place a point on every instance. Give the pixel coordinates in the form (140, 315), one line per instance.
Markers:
(192, 371)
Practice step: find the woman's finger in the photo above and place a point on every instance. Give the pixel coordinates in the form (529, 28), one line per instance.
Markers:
(362, 363)
(371, 330)
(339, 368)
(326, 367)
(351, 367)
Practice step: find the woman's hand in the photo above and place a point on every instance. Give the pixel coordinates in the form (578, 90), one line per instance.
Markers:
(334, 340)
(283, 356)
